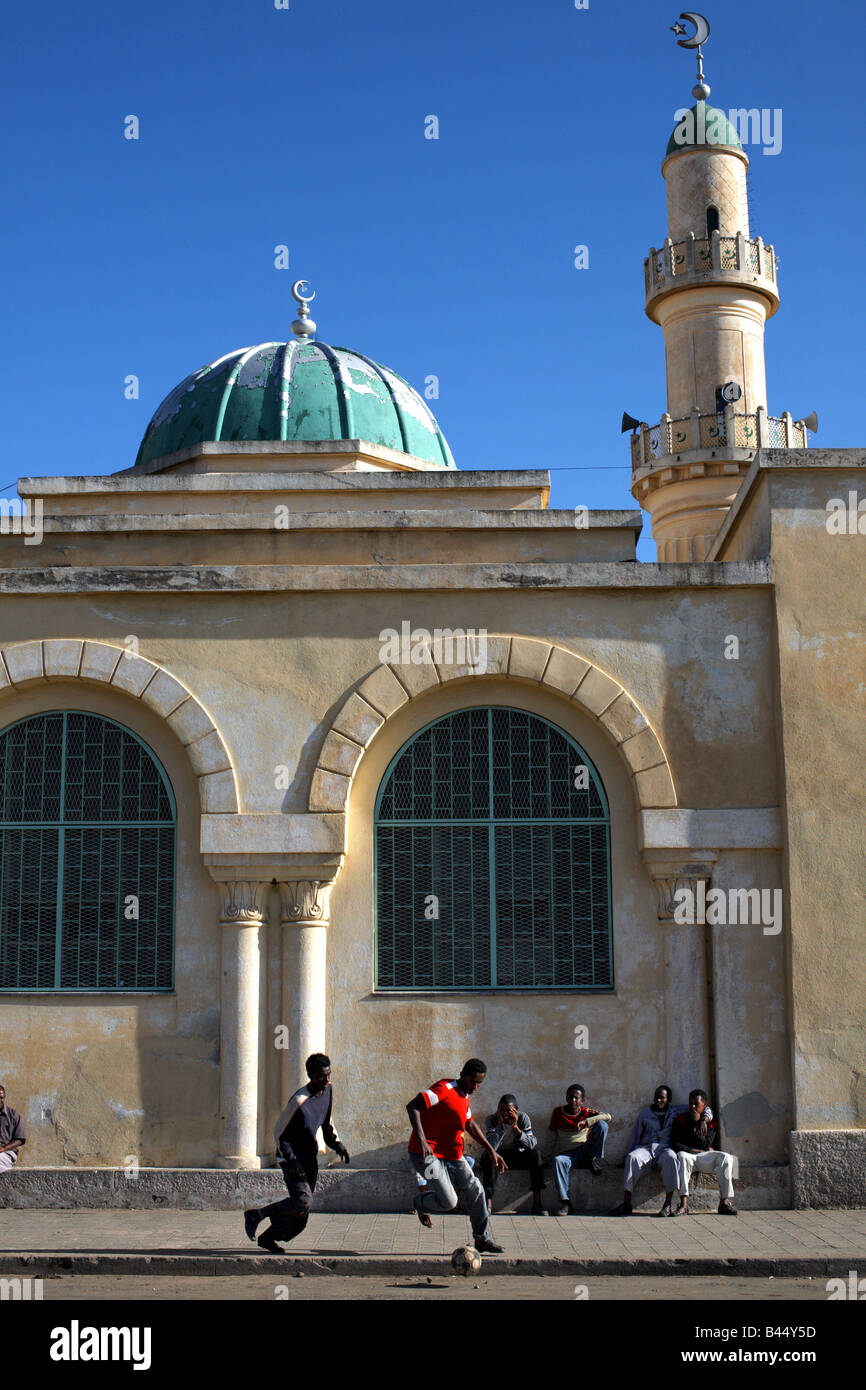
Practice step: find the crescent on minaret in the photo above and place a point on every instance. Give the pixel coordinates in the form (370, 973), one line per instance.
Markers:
(702, 30)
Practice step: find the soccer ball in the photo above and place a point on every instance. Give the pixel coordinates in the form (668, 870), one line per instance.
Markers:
(466, 1260)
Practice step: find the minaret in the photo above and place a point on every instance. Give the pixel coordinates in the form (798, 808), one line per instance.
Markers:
(711, 288)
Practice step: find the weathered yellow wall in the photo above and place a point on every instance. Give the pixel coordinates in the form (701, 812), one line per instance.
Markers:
(752, 1079)
(98, 1077)
(821, 617)
(271, 670)
(402, 1044)
(289, 659)
(399, 1044)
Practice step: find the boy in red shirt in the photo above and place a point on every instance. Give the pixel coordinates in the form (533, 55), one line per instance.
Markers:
(439, 1118)
(579, 1133)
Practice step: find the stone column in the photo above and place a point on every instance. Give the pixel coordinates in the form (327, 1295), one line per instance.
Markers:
(243, 906)
(304, 917)
(689, 1030)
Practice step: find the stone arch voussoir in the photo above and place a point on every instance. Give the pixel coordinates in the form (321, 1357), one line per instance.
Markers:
(388, 688)
(61, 659)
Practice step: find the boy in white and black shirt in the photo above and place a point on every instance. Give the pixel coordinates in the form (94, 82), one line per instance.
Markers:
(308, 1111)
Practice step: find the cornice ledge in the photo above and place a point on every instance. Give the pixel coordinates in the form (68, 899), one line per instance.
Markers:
(533, 575)
(690, 831)
(294, 839)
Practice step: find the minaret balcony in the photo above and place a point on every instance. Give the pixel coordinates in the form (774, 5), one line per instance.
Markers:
(713, 260)
(727, 438)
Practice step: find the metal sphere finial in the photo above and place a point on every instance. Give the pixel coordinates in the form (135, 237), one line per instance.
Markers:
(303, 326)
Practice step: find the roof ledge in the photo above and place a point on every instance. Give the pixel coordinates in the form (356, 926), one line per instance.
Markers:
(329, 455)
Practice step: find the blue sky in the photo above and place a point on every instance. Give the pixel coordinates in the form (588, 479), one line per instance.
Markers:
(451, 257)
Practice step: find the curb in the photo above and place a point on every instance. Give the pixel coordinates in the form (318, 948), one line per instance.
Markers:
(41, 1265)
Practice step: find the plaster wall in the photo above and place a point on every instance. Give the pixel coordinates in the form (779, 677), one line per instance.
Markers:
(748, 535)
(102, 1078)
(528, 1040)
(272, 669)
(140, 1075)
(304, 543)
(821, 619)
(397, 1043)
(747, 971)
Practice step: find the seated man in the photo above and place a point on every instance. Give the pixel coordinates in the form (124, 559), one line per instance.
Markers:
(579, 1133)
(649, 1147)
(509, 1133)
(11, 1133)
(693, 1138)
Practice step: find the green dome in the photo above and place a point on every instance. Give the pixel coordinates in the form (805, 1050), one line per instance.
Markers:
(295, 391)
(703, 127)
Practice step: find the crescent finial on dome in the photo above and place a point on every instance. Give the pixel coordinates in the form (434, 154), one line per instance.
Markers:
(303, 326)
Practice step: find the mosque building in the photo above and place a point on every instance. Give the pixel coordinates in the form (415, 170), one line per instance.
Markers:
(311, 739)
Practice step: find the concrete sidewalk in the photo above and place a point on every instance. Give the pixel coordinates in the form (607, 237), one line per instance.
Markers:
(761, 1243)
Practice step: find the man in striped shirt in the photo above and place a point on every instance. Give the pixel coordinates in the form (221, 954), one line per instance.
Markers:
(308, 1111)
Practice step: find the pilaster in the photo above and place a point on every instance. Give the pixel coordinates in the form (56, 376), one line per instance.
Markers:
(687, 1010)
(242, 915)
(305, 917)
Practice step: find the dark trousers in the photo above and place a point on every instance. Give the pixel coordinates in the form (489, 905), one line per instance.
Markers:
(526, 1159)
(289, 1216)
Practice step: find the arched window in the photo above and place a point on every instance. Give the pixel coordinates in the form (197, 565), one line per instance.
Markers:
(712, 219)
(492, 859)
(87, 853)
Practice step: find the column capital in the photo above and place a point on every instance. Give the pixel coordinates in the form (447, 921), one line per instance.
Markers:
(243, 901)
(671, 872)
(305, 901)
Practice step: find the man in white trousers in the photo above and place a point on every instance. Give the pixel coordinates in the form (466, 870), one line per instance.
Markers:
(649, 1147)
(693, 1138)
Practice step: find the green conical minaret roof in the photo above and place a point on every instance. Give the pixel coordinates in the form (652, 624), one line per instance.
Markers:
(703, 127)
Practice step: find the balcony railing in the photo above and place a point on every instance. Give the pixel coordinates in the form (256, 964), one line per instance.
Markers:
(700, 257)
(726, 430)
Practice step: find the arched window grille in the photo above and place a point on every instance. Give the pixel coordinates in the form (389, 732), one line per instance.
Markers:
(712, 219)
(87, 857)
(492, 849)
